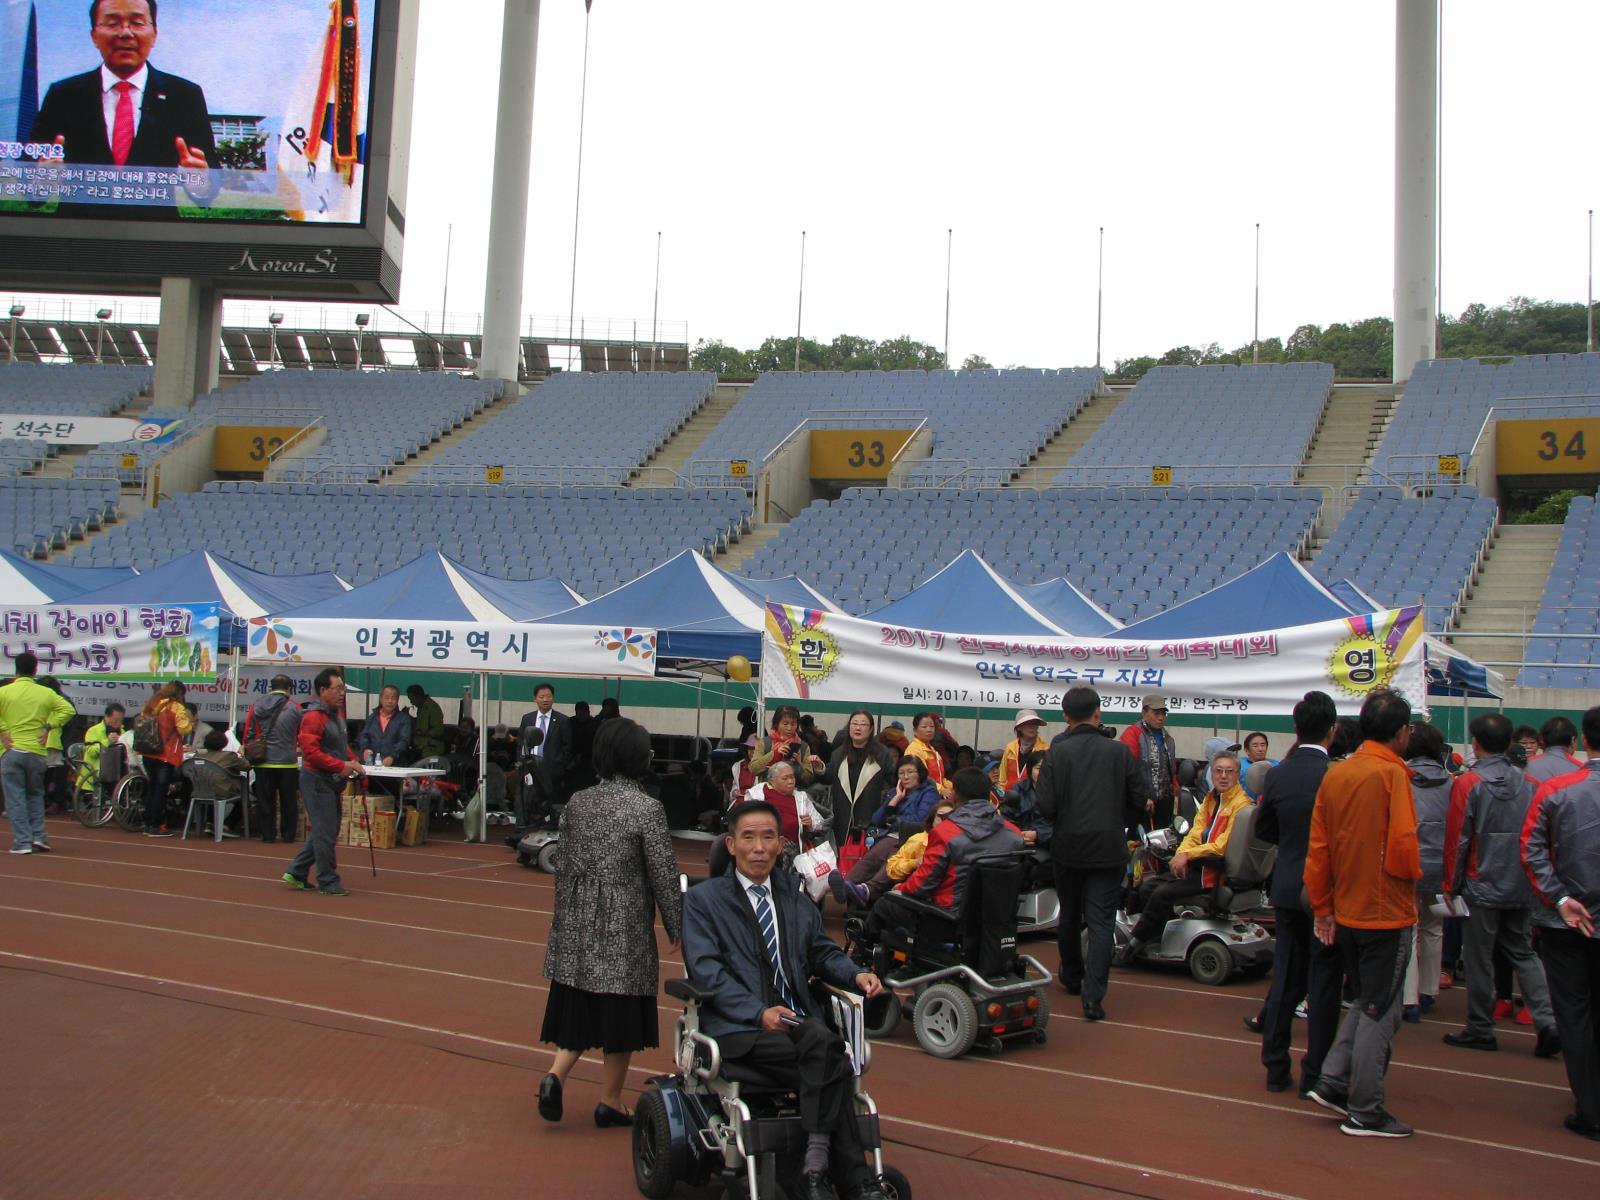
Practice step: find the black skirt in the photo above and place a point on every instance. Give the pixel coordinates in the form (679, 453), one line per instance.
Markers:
(578, 1020)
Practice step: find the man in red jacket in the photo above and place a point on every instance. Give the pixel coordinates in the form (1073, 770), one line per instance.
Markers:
(325, 763)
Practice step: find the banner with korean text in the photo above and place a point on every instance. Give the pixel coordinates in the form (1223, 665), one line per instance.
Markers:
(121, 641)
(812, 655)
(211, 697)
(501, 648)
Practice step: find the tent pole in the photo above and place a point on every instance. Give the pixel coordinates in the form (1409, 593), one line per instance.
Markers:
(483, 764)
(699, 703)
(233, 694)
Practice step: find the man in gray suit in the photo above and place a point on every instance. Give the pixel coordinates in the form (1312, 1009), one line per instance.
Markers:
(751, 937)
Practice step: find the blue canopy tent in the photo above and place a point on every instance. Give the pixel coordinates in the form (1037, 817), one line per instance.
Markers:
(201, 577)
(701, 613)
(1277, 594)
(23, 581)
(968, 596)
(1066, 606)
(433, 587)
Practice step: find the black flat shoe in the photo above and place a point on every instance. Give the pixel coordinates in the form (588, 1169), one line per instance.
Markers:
(605, 1116)
(1093, 1010)
(550, 1098)
(1253, 1024)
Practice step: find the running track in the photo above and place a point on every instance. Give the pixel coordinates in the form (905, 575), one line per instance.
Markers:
(180, 1024)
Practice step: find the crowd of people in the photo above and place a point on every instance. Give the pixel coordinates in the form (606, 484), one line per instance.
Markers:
(1401, 869)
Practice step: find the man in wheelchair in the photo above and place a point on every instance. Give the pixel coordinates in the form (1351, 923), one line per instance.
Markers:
(1197, 864)
(752, 942)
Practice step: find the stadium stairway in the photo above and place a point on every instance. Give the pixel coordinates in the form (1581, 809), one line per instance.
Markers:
(1059, 451)
(495, 408)
(1505, 596)
(678, 450)
(738, 553)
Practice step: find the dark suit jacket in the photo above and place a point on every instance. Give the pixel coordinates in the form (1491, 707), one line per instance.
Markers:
(724, 953)
(557, 744)
(172, 108)
(1090, 788)
(1284, 819)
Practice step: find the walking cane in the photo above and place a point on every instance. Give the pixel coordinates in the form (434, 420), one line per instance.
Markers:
(366, 814)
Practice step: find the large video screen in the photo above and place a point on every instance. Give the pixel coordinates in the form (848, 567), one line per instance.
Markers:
(186, 110)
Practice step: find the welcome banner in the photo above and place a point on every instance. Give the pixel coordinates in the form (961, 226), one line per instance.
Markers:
(819, 656)
(502, 648)
(122, 641)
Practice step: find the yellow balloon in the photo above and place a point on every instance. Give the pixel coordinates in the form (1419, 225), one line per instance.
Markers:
(739, 669)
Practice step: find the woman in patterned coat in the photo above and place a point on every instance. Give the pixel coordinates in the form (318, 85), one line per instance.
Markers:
(616, 870)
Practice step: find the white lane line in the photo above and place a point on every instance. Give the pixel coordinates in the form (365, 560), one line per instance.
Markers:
(178, 847)
(1001, 1063)
(239, 941)
(1208, 1181)
(265, 878)
(1260, 1104)
(1238, 1041)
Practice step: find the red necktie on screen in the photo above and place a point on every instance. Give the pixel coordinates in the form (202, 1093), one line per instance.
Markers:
(122, 124)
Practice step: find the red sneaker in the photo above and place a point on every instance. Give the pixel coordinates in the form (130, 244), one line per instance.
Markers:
(1446, 981)
(1502, 1009)
(1524, 1017)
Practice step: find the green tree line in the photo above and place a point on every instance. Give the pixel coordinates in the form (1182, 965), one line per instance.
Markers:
(1365, 349)
(1357, 350)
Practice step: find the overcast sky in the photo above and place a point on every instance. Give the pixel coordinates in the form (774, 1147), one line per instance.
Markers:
(730, 125)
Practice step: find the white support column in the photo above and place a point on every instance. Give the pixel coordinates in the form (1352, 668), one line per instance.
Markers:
(508, 199)
(1416, 183)
(190, 344)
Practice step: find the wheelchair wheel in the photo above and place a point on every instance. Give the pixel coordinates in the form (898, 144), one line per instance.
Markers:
(945, 1020)
(1210, 963)
(883, 1015)
(652, 1147)
(895, 1183)
(93, 805)
(127, 802)
(549, 857)
(1041, 1016)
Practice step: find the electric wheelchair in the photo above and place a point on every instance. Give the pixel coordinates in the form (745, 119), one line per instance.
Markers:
(728, 1122)
(968, 985)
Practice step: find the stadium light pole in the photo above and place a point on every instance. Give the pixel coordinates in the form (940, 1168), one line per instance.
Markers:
(101, 315)
(800, 307)
(1589, 341)
(16, 313)
(361, 329)
(1099, 295)
(949, 248)
(444, 300)
(274, 319)
(655, 308)
(577, 191)
(1255, 333)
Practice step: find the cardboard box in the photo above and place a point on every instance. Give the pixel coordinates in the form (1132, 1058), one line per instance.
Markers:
(411, 831)
(353, 828)
(383, 830)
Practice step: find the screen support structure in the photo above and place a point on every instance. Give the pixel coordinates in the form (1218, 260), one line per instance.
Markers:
(190, 341)
(508, 197)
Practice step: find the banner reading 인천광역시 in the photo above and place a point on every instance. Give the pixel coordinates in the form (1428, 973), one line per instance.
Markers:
(124, 641)
(821, 656)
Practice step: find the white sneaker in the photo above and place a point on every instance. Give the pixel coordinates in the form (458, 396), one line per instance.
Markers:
(22, 849)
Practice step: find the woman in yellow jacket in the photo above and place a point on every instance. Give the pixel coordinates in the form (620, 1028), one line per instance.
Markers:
(924, 726)
(1202, 848)
(161, 769)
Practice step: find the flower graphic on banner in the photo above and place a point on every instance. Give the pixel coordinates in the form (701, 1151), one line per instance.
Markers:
(1370, 656)
(275, 637)
(625, 643)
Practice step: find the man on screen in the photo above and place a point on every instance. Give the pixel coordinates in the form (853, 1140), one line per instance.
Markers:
(125, 112)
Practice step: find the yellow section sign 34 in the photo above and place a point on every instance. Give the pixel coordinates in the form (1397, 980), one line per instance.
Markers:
(1546, 446)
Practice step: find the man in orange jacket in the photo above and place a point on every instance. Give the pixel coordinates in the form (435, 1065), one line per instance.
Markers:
(1362, 864)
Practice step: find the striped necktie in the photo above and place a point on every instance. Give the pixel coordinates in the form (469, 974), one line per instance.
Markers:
(766, 918)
